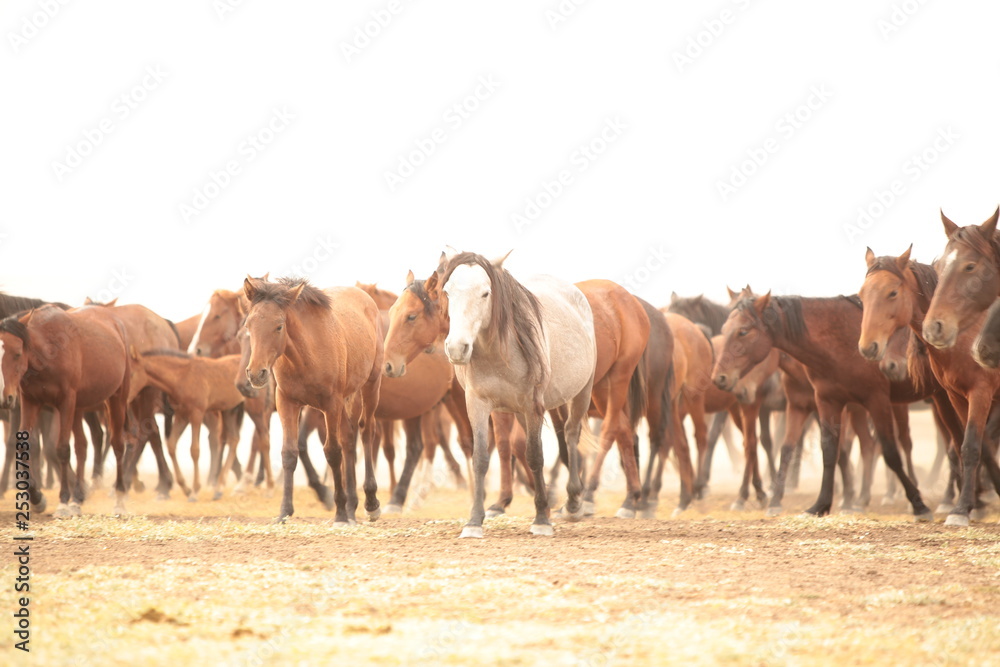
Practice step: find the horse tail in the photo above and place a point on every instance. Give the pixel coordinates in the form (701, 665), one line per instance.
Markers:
(637, 393)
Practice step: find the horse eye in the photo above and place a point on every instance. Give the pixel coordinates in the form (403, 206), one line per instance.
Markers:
(969, 267)
(217, 316)
(893, 294)
(411, 317)
(280, 327)
(744, 332)
(485, 294)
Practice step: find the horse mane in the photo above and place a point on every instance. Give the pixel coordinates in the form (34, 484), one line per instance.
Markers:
(173, 327)
(166, 352)
(973, 237)
(705, 311)
(418, 290)
(10, 304)
(516, 313)
(916, 361)
(782, 317)
(13, 325)
(279, 293)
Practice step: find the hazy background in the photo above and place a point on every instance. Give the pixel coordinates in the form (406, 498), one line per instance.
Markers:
(893, 77)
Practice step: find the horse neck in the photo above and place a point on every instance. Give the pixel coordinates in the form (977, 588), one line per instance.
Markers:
(298, 345)
(167, 371)
(824, 320)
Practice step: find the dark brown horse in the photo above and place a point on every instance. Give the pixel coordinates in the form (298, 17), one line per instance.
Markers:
(822, 334)
(897, 293)
(968, 280)
(324, 349)
(74, 362)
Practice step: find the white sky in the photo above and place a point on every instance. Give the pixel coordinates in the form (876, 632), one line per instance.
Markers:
(678, 132)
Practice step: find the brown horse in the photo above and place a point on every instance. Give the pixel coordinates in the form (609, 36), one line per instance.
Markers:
(968, 280)
(74, 362)
(324, 349)
(197, 387)
(897, 293)
(822, 334)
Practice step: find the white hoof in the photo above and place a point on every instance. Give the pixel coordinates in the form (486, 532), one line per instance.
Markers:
(543, 529)
(773, 511)
(375, 514)
(649, 513)
(624, 513)
(677, 512)
(957, 520)
(341, 524)
(738, 506)
(887, 500)
(393, 508)
(588, 508)
(63, 512)
(472, 531)
(492, 514)
(944, 508)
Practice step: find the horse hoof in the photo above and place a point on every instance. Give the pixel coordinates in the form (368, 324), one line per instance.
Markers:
(773, 512)
(678, 511)
(375, 514)
(74, 509)
(944, 508)
(329, 501)
(624, 513)
(960, 520)
(40, 507)
(281, 519)
(649, 513)
(137, 486)
(192, 498)
(162, 496)
(978, 514)
(97, 482)
(62, 512)
(119, 511)
(543, 529)
(393, 508)
(494, 513)
(887, 500)
(217, 495)
(738, 506)
(472, 531)
(588, 508)
(923, 517)
(341, 524)
(850, 510)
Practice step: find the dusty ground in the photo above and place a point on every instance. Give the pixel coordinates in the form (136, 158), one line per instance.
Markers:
(218, 583)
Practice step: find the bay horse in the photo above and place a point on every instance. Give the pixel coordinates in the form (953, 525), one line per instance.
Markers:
(324, 350)
(822, 334)
(521, 347)
(968, 280)
(897, 292)
(72, 361)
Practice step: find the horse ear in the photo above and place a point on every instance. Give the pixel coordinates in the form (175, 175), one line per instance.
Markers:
(949, 226)
(903, 259)
(448, 254)
(249, 287)
(87, 301)
(111, 303)
(732, 295)
(698, 298)
(761, 303)
(295, 292)
(498, 263)
(673, 297)
(990, 225)
(431, 287)
(409, 277)
(869, 257)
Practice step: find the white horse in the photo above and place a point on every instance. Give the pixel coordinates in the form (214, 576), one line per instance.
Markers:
(520, 348)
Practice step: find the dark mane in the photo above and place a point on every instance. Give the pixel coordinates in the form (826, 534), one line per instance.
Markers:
(701, 311)
(418, 290)
(10, 304)
(280, 293)
(516, 314)
(13, 326)
(782, 317)
(973, 237)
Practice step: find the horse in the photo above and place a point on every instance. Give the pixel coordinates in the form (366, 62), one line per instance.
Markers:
(897, 292)
(72, 361)
(821, 333)
(197, 387)
(521, 347)
(968, 280)
(324, 350)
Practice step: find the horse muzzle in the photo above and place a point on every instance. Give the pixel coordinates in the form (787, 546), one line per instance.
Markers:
(258, 379)
(458, 353)
(726, 381)
(395, 370)
(873, 352)
(8, 401)
(940, 334)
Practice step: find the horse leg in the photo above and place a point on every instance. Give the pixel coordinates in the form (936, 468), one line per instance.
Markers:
(795, 419)
(881, 414)
(414, 450)
(149, 430)
(532, 424)
(748, 419)
(369, 396)
(10, 455)
(291, 450)
(28, 421)
(697, 412)
(715, 431)
(65, 411)
(830, 413)
(844, 447)
(182, 421)
(117, 414)
(766, 441)
(197, 418)
(262, 440)
(976, 405)
(227, 465)
(347, 442)
(458, 411)
(867, 446)
(796, 462)
(388, 437)
(683, 463)
(479, 418)
(503, 427)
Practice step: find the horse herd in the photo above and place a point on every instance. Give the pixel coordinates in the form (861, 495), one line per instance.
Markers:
(473, 347)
